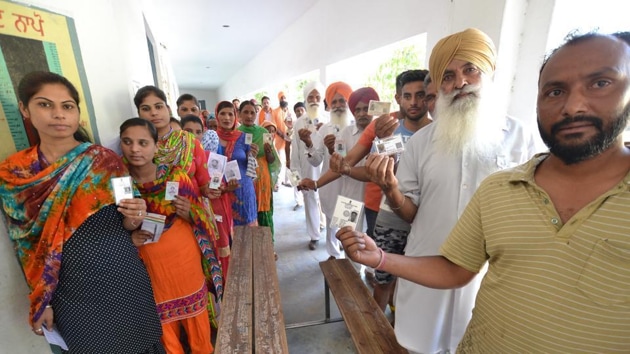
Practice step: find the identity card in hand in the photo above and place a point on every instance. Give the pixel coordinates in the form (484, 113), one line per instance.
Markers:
(268, 138)
(216, 163)
(311, 125)
(377, 108)
(215, 180)
(390, 145)
(347, 212)
(340, 147)
(172, 189)
(294, 177)
(248, 138)
(232, 171)
(154, 224)
(122, 187)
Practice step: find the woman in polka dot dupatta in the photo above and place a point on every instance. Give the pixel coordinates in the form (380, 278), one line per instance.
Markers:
(73, 242)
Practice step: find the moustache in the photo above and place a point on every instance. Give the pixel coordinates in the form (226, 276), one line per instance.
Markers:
(596, 121)
(472, 90)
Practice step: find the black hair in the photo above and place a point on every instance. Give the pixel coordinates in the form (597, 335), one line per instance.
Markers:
(186, 97)
(572, 38)
(139, 122)
(32, 82)
(223, 104)
(410, 76)
(175, 120)
(245, 104)
(299, 104)
(191, 118)
(263, 98)
(624, 36)
(146, 91)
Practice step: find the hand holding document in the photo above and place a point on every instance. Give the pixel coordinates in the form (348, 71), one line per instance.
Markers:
(294, 177)
(232, 171)
(389, 146)
(377, 108)
(154, 224)
(122, 187)
(347, 212)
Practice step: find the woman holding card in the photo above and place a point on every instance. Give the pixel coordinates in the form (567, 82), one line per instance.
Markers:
(175, 147)
(218, 203)
(72, 241)
(182, 264)
(178, 148)
(268, 164)
(233, 146)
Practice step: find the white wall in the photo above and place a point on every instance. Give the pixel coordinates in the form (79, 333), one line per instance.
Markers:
(15, 333)
(113, 44)
(210, 96)
(331, 31)
(334, 30)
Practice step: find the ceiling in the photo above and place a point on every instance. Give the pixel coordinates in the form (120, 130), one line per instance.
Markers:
(203, 53)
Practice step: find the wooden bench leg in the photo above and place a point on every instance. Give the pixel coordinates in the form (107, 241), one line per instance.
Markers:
(327, 300)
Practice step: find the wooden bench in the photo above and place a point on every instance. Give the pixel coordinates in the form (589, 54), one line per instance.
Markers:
(370, 330)
(251, 312)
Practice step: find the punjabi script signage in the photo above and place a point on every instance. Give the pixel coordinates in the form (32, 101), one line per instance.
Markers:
(36, 39)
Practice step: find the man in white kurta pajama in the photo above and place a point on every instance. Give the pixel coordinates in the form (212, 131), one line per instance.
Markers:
(340, 118)
(439, 171)
(304, 162)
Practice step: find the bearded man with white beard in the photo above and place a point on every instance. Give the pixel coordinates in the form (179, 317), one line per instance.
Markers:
(441, 167)
(337, 94)
(304, 161)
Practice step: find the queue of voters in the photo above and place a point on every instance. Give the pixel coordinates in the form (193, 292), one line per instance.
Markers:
(472, 237)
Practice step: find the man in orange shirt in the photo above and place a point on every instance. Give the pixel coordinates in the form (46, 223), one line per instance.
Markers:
(265, 112)
(278, 116)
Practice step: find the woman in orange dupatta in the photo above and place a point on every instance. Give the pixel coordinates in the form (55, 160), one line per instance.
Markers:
(177, 260)
(72, 240)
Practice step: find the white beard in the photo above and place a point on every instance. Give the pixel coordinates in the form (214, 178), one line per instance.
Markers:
(312, 110)
(470, 123)
(340, 119)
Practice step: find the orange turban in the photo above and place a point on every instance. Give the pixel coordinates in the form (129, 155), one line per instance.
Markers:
(280, 95)
(267, 123)
(338, 88)
(470, 45)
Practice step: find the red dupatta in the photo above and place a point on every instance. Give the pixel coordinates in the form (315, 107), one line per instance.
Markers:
(229, 136)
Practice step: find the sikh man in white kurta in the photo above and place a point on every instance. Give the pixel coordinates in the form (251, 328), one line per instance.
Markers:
(439, 171)
(324, 142)
(304, 161)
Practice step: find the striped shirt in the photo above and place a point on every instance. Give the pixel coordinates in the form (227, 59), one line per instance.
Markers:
(550, 287)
